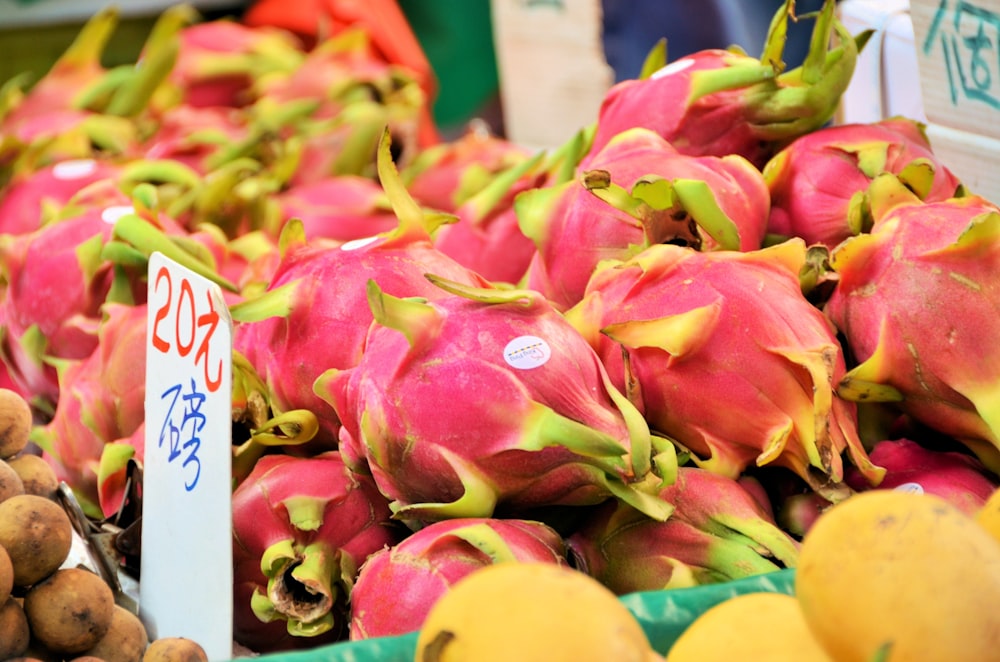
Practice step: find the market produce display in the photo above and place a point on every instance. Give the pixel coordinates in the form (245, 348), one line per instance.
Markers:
(712, 338)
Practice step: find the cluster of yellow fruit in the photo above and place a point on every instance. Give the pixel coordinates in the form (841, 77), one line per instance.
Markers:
(49, 608)
(883, 576)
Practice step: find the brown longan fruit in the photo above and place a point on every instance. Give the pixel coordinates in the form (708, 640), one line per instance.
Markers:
(15, 423)
(6, 575)
(70, 610)
(10, 482)
(37, 534)
(37, 475)
(15, 635)
(125, 640)
(174, 649)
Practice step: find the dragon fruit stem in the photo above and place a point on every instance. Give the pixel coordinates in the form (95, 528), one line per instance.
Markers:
(487, 540)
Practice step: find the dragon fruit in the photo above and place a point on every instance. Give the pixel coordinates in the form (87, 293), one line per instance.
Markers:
(719, 102)
(342, 208)
(31, 197)
(955, 476)
(681, 331)
(443, 176)
(819, 182)
(638, 191)
(101, 400)
(532, 418)
(717, 532)
(302, 526)
(397, 586)
(318, 292)
(916, 301)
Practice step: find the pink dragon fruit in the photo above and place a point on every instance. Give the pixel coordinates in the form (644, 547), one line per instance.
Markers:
(301, 529)
(717, 532)
(639, 191)
(681, 331)
(29, 198)
(719, 102)
(819, 182)
(445, 175)
(342, 208)
(916, 301)
(487, 237)
(397, 586)
(318, 293)
(531, 418)
(101, 399)
(219, 61)
(955, 476)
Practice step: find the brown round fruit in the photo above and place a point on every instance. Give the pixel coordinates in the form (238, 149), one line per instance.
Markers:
(125, 640)
(6, 575)
(37, 475)
(10, 482)
(14, 632)
(174, 649)
(37, 534)
(70, 611)
(15, 423)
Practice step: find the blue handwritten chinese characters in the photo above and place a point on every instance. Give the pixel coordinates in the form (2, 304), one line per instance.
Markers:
(968, 38)
(181, 429)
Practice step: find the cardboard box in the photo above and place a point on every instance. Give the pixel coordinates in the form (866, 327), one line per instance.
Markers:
(882, 84)
(975, 159)
(957, 43)
(552, 68)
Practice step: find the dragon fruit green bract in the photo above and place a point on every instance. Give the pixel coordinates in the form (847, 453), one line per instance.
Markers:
(819, 182)
(486, 401)
(719, 102)
(397, 586)
(918, 301)
(722, 353)
(302, 526)
(716, 533)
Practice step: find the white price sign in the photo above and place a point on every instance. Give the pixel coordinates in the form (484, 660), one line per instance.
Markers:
(186, 582)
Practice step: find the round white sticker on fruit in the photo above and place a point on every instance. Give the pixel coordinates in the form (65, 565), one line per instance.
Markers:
(110, 215)
(527, 352)
(74, 168)
(912, 488)
(357, 243)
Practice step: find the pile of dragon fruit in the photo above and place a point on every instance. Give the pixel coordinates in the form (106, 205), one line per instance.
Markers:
(655, 353)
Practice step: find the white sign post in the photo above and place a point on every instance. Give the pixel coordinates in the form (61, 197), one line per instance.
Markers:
(186, 581)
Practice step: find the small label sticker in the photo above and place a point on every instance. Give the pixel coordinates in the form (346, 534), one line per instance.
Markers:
(673, 68)
(187, 566)
(527, 352)
(911, 488)
(110, 215)
(74, 169)
(355, 244)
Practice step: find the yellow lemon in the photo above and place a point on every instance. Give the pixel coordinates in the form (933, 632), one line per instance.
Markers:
(904, 575)
(763, 627)
(531, 612)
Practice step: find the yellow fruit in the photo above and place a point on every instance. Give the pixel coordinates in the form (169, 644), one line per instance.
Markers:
(531, 612)
(763, 627)
(988, 515)
(900, 570)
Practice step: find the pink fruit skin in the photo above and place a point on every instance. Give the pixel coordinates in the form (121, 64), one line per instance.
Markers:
(957, 477)
(291, 352)
(341, 208)
(397, 586)
(23, 198)
(712, 126)
(598, 231)
(346, 521)
(917, 301)
(422, 456)
(813, 179)
(698, 333)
